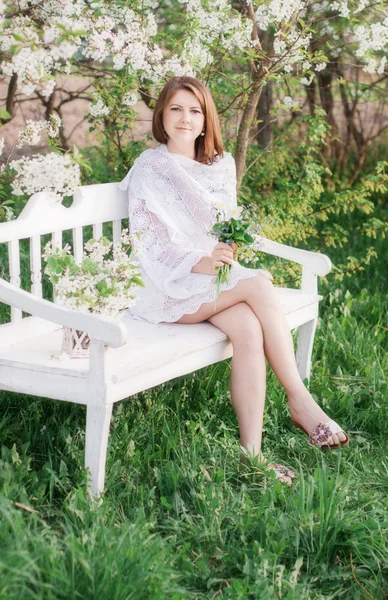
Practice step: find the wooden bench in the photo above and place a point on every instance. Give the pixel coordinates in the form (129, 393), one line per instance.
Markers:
(126, 355)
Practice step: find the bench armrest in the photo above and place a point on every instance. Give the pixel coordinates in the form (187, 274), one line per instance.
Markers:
(106, 329)
(319, 264)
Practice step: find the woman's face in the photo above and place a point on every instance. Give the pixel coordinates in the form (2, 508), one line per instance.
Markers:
(183, 119)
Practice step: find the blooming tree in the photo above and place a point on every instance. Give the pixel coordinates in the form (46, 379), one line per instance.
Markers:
(129, 49)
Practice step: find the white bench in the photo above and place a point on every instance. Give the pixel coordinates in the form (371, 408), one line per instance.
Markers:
(126, 355)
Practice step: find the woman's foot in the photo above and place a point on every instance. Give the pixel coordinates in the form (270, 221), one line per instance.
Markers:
(283, 473)
(304, 411)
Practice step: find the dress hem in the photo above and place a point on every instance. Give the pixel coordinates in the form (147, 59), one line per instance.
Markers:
(224, 287)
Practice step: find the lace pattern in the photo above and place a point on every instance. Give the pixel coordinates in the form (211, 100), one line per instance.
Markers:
(171, 205)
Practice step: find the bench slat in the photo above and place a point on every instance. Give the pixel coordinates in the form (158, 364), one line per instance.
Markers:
(14, 272)
(97, 230)
(78, 244)
(36, 266)
(56, 239)
(116, 231)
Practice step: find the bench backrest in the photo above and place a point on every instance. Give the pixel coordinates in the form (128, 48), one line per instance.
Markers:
(92, 205)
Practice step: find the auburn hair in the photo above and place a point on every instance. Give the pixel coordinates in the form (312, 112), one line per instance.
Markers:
(207, 146)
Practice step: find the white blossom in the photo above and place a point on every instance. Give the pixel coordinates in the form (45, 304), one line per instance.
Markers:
(9, 214)
(307, 81)
(33, 130)
(383, 62)
(99, 109)
(112, 266)
(290, 102)
(130, 98)
(342, 8)
(278, 11)
(52, 173)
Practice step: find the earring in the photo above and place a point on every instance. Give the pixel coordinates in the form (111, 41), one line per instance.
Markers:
(203, 133)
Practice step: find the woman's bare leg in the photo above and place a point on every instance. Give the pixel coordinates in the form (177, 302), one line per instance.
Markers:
(248, 375)
(258, 292)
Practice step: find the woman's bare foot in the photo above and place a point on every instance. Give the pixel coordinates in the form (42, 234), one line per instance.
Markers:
(305, 411)
(283, 473)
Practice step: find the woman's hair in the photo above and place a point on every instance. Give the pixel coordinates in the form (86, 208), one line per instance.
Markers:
(206, 146)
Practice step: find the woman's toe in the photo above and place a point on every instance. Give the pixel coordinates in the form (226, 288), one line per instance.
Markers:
(332, 440)
(286, 479)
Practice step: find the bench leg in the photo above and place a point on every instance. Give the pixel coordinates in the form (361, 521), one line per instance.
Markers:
(306, 333)
(96, 444)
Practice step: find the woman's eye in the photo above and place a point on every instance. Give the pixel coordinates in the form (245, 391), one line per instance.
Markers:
(177, 108)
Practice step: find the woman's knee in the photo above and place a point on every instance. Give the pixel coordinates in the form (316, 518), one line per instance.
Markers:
(241, 325)
(258, 286)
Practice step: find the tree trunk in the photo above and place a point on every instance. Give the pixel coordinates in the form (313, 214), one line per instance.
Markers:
(247, 119)
(264, 134)
(325, 79)
(249, 115)
(310, 91)
(10, 103)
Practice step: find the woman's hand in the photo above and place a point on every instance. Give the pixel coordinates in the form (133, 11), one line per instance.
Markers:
(222, 253)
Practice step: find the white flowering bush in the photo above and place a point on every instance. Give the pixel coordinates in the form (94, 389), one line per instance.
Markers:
(53, 173)
(32, 133)
(125, 49)
(105, 282)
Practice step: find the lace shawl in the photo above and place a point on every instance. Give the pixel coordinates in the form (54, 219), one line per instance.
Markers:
(172, 205)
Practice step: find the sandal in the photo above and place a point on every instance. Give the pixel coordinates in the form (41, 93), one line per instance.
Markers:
(280, 470)
(321, 434)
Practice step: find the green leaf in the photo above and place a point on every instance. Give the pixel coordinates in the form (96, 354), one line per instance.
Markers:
(165, 502)
(52, 263)
(4, 115)
(101, 286)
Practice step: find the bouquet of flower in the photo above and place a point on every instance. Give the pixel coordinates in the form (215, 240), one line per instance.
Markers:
(105, 281)
(231, 227)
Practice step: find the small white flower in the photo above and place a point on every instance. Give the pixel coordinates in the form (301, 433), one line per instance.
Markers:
(290, 102)
(130, 98)
(236, 212)
(99, 109)
(9, 214)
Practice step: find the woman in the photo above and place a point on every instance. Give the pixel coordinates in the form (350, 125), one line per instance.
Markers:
(173, 191)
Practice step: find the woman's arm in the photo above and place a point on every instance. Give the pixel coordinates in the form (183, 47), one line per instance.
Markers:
(166, 263)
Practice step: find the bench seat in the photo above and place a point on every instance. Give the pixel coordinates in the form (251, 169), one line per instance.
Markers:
(152, 354)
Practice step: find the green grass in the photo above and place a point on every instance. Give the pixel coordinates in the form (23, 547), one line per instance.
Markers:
(181, 517)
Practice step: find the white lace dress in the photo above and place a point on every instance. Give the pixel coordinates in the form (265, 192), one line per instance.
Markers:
(171, 206)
